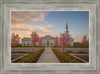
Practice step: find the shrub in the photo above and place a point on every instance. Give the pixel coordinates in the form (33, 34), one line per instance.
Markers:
(73, 61)
(25, 60)
(69, 51)
(21, 52)
(32, 57)
(64, 57)
(81, 52)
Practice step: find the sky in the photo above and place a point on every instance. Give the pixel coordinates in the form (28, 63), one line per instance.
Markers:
(50, 23)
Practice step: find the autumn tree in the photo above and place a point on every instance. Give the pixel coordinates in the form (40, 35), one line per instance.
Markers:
(15, 39)
(40, 41)
(56, 41)
(34, 38)
(85, 41)
(64, 40)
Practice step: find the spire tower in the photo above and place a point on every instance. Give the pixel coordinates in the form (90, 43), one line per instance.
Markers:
(66, 24)
(66, 31)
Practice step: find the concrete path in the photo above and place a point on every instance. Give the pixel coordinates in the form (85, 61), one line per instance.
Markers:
(48, 56)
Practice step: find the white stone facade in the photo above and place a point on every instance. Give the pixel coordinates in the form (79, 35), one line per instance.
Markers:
(26, 42)
(46, 41)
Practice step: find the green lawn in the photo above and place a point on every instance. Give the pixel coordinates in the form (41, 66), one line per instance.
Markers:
(27, 47)
(20, 52)
(51, 46)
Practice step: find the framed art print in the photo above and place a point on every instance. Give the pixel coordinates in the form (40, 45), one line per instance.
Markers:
(50, 37)
(37, 34)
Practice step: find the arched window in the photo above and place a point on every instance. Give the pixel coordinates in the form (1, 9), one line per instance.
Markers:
(28, 44)
(44, 44)
(24, 44)
(51, 44)
(47, 42)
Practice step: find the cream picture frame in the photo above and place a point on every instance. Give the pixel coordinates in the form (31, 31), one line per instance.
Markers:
(56, 68)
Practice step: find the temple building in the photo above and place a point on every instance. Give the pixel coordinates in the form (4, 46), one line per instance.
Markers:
(47, 40)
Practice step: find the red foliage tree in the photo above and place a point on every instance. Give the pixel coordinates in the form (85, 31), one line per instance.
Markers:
(15, 39)
(56, 41)
(64, 40)
(34, 38)
(85, 42)
(40, 41)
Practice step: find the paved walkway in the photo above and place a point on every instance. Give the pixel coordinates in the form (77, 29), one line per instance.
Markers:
(48, 56)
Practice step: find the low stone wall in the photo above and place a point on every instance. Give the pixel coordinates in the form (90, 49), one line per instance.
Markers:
(24, 49)
(66, 49)
(75, 49)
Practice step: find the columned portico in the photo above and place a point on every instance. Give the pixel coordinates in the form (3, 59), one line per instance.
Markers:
(48, 40)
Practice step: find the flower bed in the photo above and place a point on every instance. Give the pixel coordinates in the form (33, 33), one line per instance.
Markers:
(65, 58)
(31, 58)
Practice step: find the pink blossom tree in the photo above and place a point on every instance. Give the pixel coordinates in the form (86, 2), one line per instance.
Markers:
(56, 41)
(64, 40)
(34, 38)
(15, 39)
(40, 41)
(85, 42)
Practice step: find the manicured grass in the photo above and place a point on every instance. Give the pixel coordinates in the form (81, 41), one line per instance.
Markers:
(71, 47)
(51, 46)
(77, 46)
(56, 46)
(65, 58)
(31, 58)
(20, 52)
(69, 51)
(27, 47)
(81, 52)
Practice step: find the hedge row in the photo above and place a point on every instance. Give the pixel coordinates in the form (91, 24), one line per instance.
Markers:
(27, 47)
(32, 57)
(64, 58)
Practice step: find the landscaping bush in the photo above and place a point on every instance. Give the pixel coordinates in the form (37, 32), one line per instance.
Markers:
(63, 58)
(21, 52)
(69, 51)
(32, 57)
(81, 52)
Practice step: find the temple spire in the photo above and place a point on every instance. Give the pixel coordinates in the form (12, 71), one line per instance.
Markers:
(66, 31)
(66, 24)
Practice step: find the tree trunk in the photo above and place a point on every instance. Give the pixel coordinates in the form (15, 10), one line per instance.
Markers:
(14, 49)
(63, 49)
(33, 48)
(84, 49)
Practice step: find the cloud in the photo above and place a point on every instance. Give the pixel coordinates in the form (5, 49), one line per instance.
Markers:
(19, 29)
(23, 17)
(46, 29)
(23, 23)
(25, 30)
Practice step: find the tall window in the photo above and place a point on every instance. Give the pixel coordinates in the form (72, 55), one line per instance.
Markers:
(44, 44)
(47, 42)
(28, 44)
(24, 44)
(51, 44)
